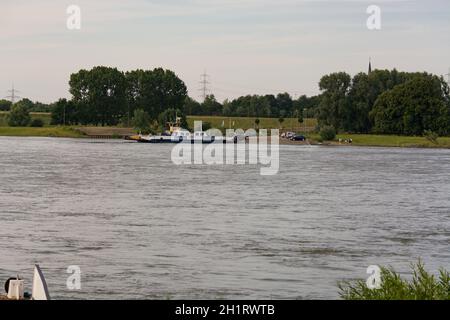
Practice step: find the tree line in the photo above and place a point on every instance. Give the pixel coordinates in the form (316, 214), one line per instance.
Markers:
(6, 105)
(107, 96)
(382, 101)
(256, 106)
(385, 102)
(19, 113)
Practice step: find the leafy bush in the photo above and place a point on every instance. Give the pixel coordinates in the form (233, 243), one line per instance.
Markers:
(141, 121)
(423, 286)
(328, 133)
(5, 105)
(115, 135)
(37, 123)
(431, 136)
(19, 116)
(206, 126)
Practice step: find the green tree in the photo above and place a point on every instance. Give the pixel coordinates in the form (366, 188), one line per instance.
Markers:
(211, 106)
(141, 121)
(155, 90)
(248, 106)
(431, 136)
(310, 104)
(260, 106)
(241, 106)
(191, 107)
(5, 105)
(360, 104)
(37, 123)
(328, 133)
(334, 105)
(364, 91)
(65, 112)
(257, 122)
(285, 105)
(414, 107)
(26, 104)
(300, 118)
(103, 91)
(229, 109)
(19, 116)
(273, 103)
(134, 92)
(206, 126)
(41, 107)
(171, 116)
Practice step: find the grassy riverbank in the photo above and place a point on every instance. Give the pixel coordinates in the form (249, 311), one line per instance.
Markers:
(45, 117)
(372, 140)
(57, 132)
(216, 122)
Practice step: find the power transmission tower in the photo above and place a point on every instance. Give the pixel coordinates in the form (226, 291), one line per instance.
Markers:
(13, 94)
(204, 82)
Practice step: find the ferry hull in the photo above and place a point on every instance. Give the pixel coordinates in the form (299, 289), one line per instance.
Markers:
(172, 140)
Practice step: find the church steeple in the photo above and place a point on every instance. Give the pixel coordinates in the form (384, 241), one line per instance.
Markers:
(370, 65)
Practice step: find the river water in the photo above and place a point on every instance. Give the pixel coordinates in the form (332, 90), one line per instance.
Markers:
(140, 227)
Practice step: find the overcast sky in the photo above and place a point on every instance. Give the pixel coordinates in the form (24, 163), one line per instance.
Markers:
(246, 46)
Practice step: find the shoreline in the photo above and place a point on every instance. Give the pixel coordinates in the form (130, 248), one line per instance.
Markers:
(359, 140)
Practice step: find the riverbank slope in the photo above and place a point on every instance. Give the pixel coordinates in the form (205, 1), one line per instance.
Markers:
(366, 140)
(373, 140)
(56, 132)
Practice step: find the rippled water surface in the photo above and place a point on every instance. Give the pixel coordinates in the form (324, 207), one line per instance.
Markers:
(140, 227)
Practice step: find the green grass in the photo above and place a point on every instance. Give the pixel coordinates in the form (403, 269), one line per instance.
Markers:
(59, 132)
(46, 117)
(373, 140)
(395, 141)
(247, 123)
(422, 286)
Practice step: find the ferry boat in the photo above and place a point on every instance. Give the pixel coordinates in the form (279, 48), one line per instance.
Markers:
(179, 137)
(177, 134)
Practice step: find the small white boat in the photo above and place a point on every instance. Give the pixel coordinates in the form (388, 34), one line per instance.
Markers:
(40, 289)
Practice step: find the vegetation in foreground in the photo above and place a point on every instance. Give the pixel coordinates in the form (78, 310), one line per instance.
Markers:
(422, 286)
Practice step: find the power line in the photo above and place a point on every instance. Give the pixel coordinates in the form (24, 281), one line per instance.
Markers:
(13, 94)
(204, 82)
